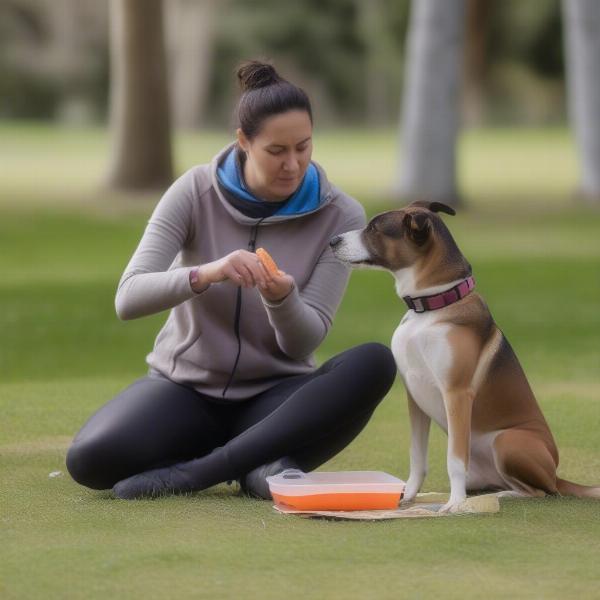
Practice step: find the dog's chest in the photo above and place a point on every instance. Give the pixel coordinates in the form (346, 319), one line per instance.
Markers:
(423, 355)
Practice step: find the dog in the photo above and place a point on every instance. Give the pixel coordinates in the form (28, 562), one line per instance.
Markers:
(456, 364)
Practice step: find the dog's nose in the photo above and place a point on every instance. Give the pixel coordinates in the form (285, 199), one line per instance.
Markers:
(335, 241)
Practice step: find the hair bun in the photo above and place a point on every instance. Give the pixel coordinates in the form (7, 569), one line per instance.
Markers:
(255, 74)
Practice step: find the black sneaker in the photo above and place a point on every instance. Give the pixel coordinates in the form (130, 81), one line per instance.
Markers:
(153, 484)
(254, 484)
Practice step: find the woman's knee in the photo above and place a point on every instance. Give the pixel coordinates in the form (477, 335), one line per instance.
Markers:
(87, 464)
(377, 361)
(366, 372)
(381, 357)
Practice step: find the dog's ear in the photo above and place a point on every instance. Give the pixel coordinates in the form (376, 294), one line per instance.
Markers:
(434, 207)
(418, 227)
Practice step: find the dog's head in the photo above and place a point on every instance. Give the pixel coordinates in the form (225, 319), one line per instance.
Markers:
(395, 239)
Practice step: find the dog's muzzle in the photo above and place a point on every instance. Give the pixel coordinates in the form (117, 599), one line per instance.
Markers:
(349, 248)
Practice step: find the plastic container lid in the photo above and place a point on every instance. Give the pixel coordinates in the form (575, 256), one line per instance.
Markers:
(340, 490)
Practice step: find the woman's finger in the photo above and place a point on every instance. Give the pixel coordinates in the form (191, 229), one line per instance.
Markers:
(247, 274)
(260, 273)
(252, 271)
(238, 261)
(233, 275)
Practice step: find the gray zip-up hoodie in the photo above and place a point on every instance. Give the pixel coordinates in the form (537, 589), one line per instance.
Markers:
(194, 224)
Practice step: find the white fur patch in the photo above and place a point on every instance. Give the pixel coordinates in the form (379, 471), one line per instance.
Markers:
(424, 358)
(405, 281)
(351, 248)
(458, 477)
(482, 472)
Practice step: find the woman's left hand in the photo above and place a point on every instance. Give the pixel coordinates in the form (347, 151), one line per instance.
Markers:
(276, 287)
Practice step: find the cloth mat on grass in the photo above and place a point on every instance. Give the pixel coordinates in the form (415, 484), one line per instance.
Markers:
(425, 505)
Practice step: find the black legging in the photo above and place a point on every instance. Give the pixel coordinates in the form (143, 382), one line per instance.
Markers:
(156, 422)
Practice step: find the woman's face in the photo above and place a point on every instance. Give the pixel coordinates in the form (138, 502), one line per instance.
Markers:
(278, 155)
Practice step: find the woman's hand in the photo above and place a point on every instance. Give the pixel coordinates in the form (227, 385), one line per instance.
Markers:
(245, 269)
(277, 287)
(241, 267)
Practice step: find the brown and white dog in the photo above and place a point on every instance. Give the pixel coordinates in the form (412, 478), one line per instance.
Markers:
(457, 366)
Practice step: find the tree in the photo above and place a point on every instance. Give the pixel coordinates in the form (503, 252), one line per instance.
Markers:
(430, 113)
(191, 38)
(582, 49)
(139, 107)
(478, 17)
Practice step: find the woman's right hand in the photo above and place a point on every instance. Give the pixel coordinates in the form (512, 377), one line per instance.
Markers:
(241, 267)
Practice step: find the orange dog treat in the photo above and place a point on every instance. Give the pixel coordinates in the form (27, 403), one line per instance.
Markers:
(267, 261)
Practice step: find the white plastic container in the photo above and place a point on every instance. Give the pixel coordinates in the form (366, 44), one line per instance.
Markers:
(341, 490)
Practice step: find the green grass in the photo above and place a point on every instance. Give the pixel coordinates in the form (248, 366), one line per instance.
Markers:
(63, 353)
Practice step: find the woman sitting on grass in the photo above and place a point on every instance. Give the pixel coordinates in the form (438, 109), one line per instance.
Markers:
(233, 391)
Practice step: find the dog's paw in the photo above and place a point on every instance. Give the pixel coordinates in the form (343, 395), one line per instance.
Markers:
(411, 491)
(452, 506)
(409, 496)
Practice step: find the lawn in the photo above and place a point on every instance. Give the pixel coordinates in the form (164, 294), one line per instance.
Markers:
(63, 244)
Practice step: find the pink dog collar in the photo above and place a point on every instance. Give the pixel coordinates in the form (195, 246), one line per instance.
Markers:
(436, 301)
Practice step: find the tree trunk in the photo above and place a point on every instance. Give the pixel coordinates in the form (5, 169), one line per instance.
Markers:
(582, 52)
(190, 38)
(139, 108)
(430, 116)
(478, 17)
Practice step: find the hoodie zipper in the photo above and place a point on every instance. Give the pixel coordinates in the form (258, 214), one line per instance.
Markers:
(238, 308)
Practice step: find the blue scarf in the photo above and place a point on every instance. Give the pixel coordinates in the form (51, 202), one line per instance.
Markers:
(305, 199)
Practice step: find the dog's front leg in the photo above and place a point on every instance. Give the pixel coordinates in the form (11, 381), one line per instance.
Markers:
(419, 438)
(458, 404)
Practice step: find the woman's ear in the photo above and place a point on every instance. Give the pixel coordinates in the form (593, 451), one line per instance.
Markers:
(242, 140)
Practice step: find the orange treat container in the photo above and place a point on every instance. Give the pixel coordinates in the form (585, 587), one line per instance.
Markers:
(341, 490)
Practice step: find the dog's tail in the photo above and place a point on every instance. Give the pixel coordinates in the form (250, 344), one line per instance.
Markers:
(568, 488)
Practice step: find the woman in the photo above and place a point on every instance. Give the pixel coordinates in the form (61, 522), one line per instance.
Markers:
(233, 391)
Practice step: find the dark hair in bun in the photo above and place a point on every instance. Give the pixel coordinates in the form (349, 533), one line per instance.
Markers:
(265, 93)
(253, 75)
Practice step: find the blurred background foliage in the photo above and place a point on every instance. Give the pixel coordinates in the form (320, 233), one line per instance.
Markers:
(348, 54)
